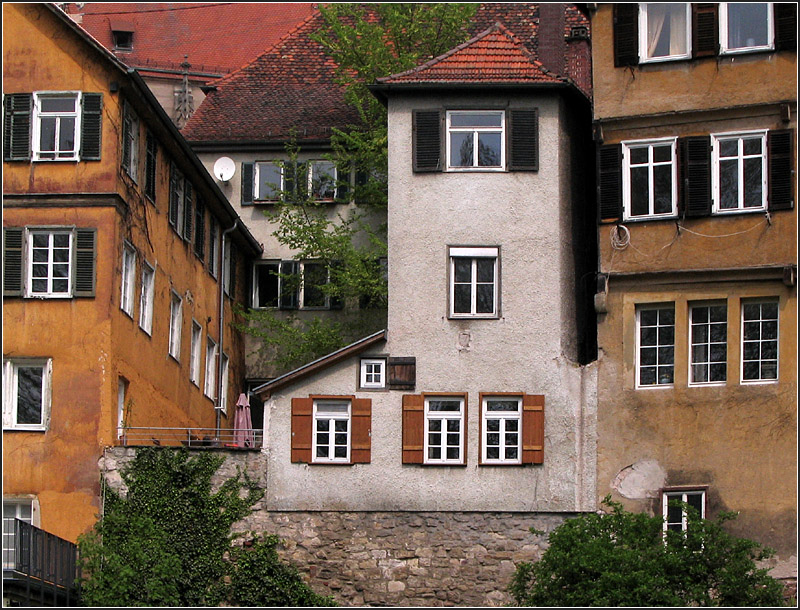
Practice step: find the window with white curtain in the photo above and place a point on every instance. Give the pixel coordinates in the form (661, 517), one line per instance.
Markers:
(666, 31)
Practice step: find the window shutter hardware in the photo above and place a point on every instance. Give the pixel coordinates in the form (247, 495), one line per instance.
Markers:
(402, 373)
(248, 184)
(91, 126)
(17, 110)
(361, 439)
(626, 34)
(533, 429)
(695, 175)
(779, 170)
(524, 138)
(427, 140)
(12, 261)
(302, 429)
(705, 30)
(413, 428)
(85, 262)
(609, 182)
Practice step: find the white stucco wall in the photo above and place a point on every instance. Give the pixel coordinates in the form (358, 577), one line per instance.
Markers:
(529, 349)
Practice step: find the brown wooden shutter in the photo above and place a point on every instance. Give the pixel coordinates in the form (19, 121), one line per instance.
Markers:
(695, 175)
(402, 373)
(626, 34)
(91, 126)
(532, 429)
(427, 141)
(12, 261)
(780, 175)
(361, 441)
(85, 262)
(413, 428)
(248, 172)
(302, 418)
(705, 30)
(785, 14)
(17, 108)
(609, 182)
(524, 137)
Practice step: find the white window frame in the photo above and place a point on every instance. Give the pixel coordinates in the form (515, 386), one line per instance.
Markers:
(38, 115)
(194, 356)
(210, 386)
(723, 32)
(657, 346)
(146, 299)
(504, 417)
(476, 131)
(331, 417)
(257, 180)
(707, 343)
(682, 495)
(627, 147)
(175, 325)
(760, 340)
(474, 253)
(14, 504)
(716, 139)
(11, 393)
(132, 143)
(373, 373)
(443, 417)
(313, 171)
(50, 263)
(122, 393)
(213, 248)
(222, 405)
(644, 55)
(128, 278)
(226, 265)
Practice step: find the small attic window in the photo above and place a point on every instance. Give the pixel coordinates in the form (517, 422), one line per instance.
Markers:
(123, 41)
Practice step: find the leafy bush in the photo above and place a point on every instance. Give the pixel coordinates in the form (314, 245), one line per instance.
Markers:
(619, 558)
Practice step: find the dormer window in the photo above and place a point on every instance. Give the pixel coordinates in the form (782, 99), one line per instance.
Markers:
(123, 41)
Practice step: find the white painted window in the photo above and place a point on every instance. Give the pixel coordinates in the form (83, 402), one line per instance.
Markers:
(130, 141)
(649, 179)
(213, 247)
(373, 373)
(49, 263)
(502, 430)
(675, 515)
(194, 364)
(708, 343)
(128, 278)
(476, 140)
(759, 341)
(223, 397)
(210, 388)
(739, 172)
(331, 438)
(745, 26)
(122, 394)
(474, 282)
(175, 324)
(146, 299)
(22, 509)
(268, 181)
(655, 346)
(444, 430)
(56, 126)
(665, 31)
(27, 384)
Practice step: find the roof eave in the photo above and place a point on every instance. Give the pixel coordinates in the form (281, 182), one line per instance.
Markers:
(382, 91)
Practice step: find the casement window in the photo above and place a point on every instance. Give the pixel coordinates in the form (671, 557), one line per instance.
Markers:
(267, 181)
(331, 430)
(512, 429)
(122, 393)
(474, 282)
(210, 387)
(745, 26)
(23, 509)
(292, 285)
(322, 180)
(146, 299)
(194, 362)
(445, 422)
(175, 324)
(460, 140)
(229, 262)
(312, 295)
(223, 389)
(675, 514)
(655, 346)
(150, 164)
(759, 341)
(213, 246)
(266, 284)
(372, 373)
(49, 262)
(649, 175)
(27, 386)
(739, 172)
(128, 278)
(666, 31)
(708, 343)
(130, 141)
(52, 126)
(200, 228)
(181, 203)
(123, 40)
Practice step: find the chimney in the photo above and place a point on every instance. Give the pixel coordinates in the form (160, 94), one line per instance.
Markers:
(551, 44)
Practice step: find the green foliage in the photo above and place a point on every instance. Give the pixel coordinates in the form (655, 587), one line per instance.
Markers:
(164, 543)
(622, 559)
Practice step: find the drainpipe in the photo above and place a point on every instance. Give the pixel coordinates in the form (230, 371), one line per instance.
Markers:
(221, 321)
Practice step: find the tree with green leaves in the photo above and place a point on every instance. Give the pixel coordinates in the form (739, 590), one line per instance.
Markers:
(167, 541)
(618, 558)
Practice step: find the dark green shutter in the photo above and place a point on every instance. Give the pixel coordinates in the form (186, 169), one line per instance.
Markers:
(427, 141)
(785, 14)
(127, 127)
(188, 210)
(695, 175)
(174, 204)
(626, 34)
(779, 160)
(705, 30)
(91, 126)
(609, 182)
(199, 227)
(17, 109)
(248, 173)
(85, 262)
(290, 284)
(524, 137)
(12, 261)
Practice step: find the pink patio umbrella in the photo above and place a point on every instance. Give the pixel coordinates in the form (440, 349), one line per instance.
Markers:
(243, 426)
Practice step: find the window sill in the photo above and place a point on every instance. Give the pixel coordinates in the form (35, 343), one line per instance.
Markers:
(733, 212)
(660, 60)
(473, 317)
(661, 386)
(708, 384)
(758, 381)
(446, 464)
(501, 464)
(673, 216)
(70, 160)
(19, 429)
(746, 51)
(467, 170)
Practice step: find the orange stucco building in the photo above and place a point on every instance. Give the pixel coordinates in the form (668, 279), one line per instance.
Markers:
(122, 260)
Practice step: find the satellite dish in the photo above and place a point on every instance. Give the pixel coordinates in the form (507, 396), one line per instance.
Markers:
(224, 167)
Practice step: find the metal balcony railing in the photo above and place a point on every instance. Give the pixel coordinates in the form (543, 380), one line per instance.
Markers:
(39, 568)
(236, 438)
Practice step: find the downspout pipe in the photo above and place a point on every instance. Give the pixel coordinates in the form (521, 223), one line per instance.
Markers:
(222, 278)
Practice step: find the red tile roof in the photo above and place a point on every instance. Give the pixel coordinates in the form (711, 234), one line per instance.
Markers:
(217, 37)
